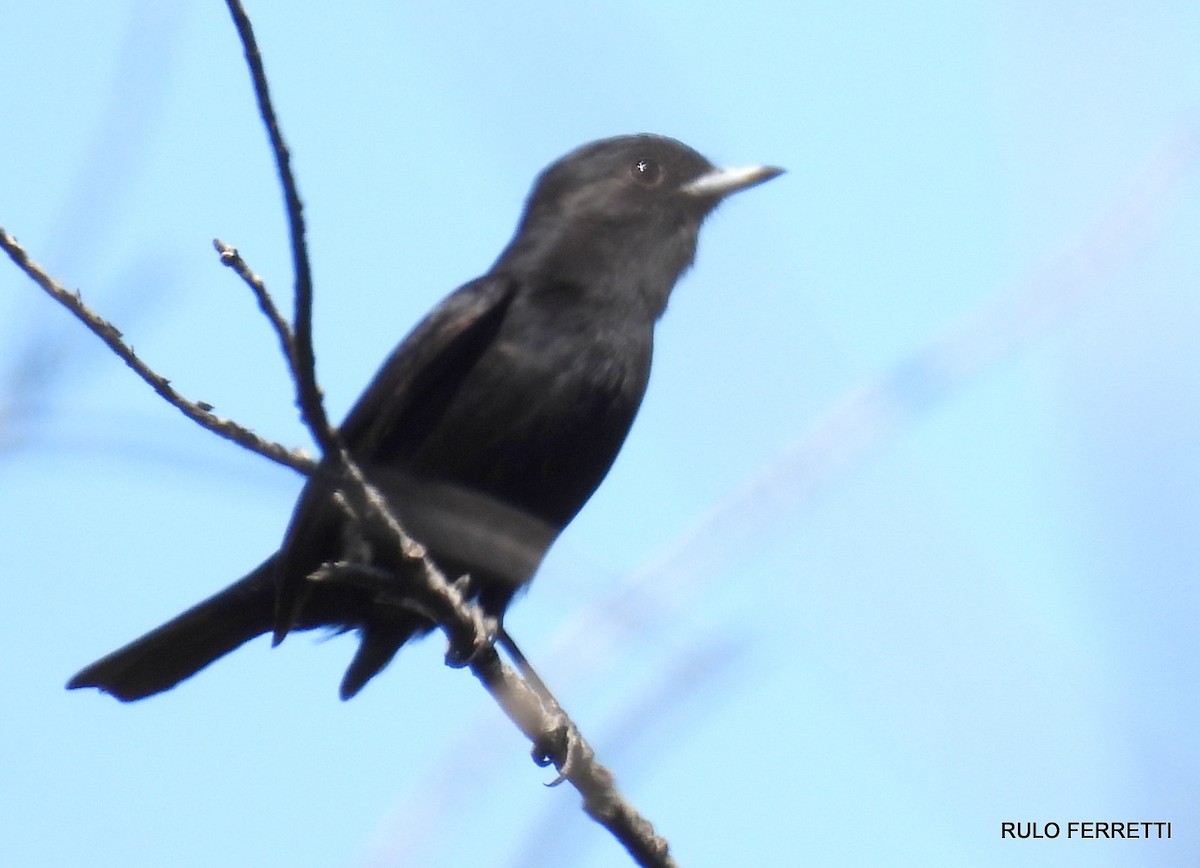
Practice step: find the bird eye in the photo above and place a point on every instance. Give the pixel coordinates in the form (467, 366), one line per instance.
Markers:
(647, 172)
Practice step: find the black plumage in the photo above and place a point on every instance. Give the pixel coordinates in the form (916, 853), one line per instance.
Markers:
(491, 424)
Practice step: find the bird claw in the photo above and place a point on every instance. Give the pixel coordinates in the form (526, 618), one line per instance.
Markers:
(464, 650)
(558, 747)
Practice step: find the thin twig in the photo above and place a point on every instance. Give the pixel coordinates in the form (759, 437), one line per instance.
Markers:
(233, 259)
(197, 411)
(302, 360)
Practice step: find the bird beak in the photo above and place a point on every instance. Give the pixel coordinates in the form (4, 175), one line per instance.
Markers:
(721, 182)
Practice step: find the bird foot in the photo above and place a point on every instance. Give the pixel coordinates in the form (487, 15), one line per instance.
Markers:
(557, 746)
(465, 649)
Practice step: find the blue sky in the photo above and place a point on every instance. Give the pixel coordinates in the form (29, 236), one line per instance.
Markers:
(903, 545)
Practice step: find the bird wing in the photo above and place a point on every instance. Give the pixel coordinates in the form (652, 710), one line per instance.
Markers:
(422, 373)
(397, 408)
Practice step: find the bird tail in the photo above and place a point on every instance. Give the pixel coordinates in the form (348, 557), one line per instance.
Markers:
(186, 644)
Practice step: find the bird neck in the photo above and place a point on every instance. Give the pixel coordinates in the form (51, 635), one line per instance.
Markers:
(618, 269)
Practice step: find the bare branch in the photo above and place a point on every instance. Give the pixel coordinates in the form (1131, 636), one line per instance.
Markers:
(197, 411)
(411, 574)
(414, 582)
(408, 575)
(602, 800)
(461, 621)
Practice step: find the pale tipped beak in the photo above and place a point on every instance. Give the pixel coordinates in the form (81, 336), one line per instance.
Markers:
(721, 182)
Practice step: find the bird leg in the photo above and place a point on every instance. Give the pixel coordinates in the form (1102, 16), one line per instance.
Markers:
(558, 745)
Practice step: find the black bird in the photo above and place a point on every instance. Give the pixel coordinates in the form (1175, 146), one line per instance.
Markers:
(491, 424)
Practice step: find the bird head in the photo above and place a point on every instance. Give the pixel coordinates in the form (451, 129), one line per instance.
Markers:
(625, 210)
